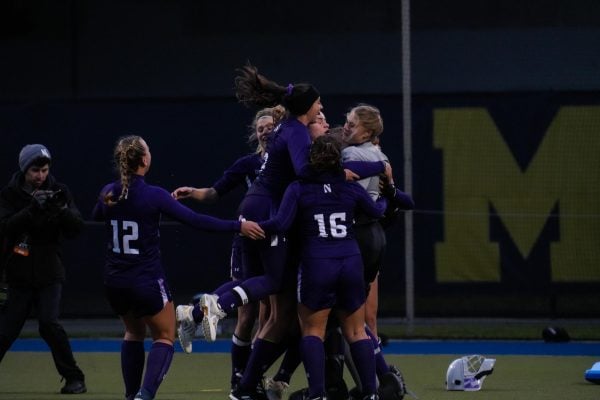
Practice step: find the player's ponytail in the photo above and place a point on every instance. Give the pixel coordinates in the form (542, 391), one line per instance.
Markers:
(128, 156)
(255, 90)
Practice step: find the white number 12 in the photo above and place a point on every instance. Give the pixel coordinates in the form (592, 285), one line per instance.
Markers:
(130, 232)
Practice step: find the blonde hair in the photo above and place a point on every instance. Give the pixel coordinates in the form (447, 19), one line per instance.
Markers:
(128, 156)
(277, 113)
(370, 118)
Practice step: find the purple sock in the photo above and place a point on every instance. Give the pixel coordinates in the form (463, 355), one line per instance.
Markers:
(291, 361)
(232, 299)
(263, 355)
(252, 289)
(226, 287)
(132, 365)
(364, 359)
(381, 366)
(313, 357)
(334, 358)
(157, 365)
(197, 313)
(240, 353)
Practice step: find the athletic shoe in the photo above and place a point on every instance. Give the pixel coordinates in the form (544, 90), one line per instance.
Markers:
(299, 394)
(275, 389)
(235, 381)
(302, 394)
(143, 394)
(338, 391)
(355, 394)
(186, 327)
(371, 397)
(391, 385)
(212, 314)
(199, 333)
(241, 394)
(73, 387)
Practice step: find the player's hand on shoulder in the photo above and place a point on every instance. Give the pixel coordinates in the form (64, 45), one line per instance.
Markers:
(182, 192)
(252, 230)
(387, 189)
(388, 171)
(351, 176)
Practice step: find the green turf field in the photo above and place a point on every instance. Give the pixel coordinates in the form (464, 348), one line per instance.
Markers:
(31, 376)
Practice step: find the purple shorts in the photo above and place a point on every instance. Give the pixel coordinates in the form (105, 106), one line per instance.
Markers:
(327, 282)
(140, 301)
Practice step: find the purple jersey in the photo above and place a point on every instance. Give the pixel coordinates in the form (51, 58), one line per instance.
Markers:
(285, 159)
(243, 172)
(324, 210)
(132, 230)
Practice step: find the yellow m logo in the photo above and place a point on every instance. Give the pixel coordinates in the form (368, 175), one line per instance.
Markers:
(479, 171)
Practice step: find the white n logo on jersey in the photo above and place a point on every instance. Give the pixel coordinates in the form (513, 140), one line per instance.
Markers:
(326, 188)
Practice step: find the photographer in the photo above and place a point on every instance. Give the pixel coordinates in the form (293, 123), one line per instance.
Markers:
(36, 212)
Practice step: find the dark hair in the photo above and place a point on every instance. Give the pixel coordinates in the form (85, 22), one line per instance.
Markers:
(326, 154)
(40, 162)
(337, 132)
(255, 90)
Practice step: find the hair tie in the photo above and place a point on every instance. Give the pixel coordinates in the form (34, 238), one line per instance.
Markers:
(290, 87)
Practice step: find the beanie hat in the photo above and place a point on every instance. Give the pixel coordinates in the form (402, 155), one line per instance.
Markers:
(30, 153)
(299, 98)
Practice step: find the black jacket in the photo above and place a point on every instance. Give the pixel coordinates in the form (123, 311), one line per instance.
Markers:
(43, 228)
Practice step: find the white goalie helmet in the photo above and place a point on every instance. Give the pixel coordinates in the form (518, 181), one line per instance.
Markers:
(467, 373)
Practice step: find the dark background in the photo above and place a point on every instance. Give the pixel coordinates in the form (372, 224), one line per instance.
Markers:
(76, 75)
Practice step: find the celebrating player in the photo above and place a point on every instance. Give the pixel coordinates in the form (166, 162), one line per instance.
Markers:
(134, 277)
(331, 271)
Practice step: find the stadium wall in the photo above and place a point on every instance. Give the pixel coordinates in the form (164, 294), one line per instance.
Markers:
(505, 122)
(505, 186)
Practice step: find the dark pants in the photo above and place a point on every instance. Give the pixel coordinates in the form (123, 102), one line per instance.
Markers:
(46, 301)
(371, 241)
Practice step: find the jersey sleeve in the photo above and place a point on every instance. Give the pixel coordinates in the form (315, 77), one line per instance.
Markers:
(365, 169)
(373, 209)
(236, 174)
(170, 207)
(299, 147)
(286, 212)
(403, 201)
(356, 161)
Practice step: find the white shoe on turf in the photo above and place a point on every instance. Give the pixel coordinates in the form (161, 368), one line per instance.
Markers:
(275, 389)
(186, 327)
(212, 314)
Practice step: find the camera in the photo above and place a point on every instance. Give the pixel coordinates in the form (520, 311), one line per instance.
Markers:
(57, 199)
(50, 200)
(56, 196)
